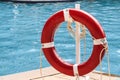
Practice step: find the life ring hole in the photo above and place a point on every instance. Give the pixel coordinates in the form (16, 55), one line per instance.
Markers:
(65, 44)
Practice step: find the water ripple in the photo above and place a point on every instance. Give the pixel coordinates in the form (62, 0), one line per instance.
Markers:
(21, 26)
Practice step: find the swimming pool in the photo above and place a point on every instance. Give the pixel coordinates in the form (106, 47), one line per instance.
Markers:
(21, 26)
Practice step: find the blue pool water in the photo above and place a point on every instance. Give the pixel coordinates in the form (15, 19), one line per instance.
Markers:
(21, 26)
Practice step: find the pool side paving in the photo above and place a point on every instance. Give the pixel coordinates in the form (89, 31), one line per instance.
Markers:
(50, 73)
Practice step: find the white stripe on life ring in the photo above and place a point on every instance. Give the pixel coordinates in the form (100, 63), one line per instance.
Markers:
(48, 45)
(66, 14)
(99, 41)
(75, 69)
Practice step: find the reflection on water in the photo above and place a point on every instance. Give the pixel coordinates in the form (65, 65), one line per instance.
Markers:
(15, 10)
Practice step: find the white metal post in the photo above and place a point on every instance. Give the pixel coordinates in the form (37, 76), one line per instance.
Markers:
(77, 38)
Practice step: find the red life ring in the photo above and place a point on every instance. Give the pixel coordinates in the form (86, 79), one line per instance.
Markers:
(47, 40)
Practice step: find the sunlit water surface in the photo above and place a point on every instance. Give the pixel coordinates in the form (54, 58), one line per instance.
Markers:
(21, 26)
